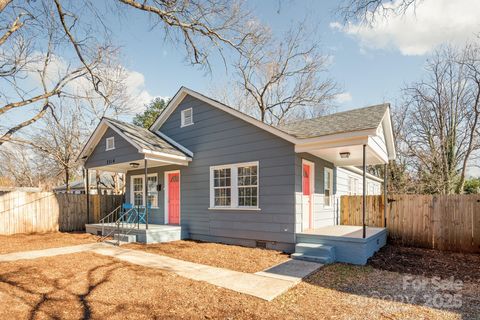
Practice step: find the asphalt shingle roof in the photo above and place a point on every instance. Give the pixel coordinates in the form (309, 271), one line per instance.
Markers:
(347, 121)
(145, 138)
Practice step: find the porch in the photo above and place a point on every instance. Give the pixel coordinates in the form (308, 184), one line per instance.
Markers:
(150, 163)
(339, 243)
(151, 233)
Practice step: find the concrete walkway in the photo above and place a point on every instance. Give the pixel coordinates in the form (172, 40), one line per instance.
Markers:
(34, 254)
(265, 285)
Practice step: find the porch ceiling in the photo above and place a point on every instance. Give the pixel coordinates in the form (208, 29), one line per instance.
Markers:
(330, 151)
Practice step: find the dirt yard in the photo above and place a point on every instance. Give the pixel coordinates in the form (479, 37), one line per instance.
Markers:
(25, 242)
(215, 254)
(429, 263)
(89, 286)
(397, 284)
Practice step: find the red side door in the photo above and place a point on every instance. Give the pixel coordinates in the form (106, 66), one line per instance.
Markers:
(174, 198)
(307, 195)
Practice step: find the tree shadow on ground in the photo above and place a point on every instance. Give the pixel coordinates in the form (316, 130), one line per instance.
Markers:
(66, 295)
(410, 276)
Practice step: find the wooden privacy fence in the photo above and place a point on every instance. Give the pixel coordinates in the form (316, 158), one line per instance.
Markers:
(28, 212)
(444, 222)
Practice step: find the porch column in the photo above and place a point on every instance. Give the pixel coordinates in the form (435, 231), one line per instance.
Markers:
(364, 207)
(87, 192)
(146, 194)
(385, 198)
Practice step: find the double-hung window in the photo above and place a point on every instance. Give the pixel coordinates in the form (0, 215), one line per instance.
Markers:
(222, 187)
(328, 184)
(138, 190)
(234, 186)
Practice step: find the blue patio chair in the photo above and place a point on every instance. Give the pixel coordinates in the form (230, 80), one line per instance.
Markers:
(142, 214)
(125, 208)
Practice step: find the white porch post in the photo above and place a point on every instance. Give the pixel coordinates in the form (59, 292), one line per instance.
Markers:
(146, 194)
(87, 192)
(364, 208)
(385, 190)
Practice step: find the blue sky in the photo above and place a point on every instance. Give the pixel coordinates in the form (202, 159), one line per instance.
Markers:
(367, 76)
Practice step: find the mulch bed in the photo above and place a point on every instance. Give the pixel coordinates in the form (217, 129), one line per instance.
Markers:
(89, 286)
(38, 241)
(232, 257)
(428, 263)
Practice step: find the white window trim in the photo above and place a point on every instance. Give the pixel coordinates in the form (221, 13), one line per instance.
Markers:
(330, 187)
(143, 188)
(234, 187)
(112, 139)
(165, 199)
(182, 117)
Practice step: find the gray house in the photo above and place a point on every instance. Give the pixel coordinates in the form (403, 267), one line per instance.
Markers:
(209, 172)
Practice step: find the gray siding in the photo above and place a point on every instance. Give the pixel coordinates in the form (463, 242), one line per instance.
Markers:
(123, 152)
(323, 216)
(218, 138)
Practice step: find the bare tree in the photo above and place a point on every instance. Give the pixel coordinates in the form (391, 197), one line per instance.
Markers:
(442, 124)
(367, 11)
(36, 35)
(285, 78)
(60, 140)
(25, 168)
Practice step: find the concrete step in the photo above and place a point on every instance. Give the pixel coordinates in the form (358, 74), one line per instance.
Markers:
(318, 259)
(125, 237)
(315, 249)
(114, 242)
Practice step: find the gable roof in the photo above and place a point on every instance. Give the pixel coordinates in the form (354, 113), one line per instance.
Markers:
(143, 139)
(183, 92)
(146, 139)
(363, 122)
(341, 122)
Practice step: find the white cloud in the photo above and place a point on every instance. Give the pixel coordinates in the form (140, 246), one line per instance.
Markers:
(135, 88)
(343, 97)
(128, 85)
(421, 29)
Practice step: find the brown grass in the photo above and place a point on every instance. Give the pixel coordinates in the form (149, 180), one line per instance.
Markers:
(37, 241)
(215, 254)
(86, 285)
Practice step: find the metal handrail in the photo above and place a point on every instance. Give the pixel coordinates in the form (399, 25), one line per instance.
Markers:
(112, 217)
(124, 224)
(108, 216)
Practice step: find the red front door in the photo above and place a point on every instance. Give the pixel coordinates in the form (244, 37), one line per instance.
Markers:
(307, 196)
(173, 198)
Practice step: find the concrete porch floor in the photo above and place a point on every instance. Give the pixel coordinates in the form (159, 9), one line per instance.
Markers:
(340, 243)
(154, 234)
(344, 231)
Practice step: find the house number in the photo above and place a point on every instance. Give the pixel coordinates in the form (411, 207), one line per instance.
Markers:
(111, 161)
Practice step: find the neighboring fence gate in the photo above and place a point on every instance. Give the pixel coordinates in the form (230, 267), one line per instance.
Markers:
(444, 222)
(28, 212)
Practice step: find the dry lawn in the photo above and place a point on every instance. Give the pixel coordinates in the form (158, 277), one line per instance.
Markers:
(215, 254)
(38, 241)
(86, 285)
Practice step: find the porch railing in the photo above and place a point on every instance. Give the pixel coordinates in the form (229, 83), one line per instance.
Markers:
(122, 222)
